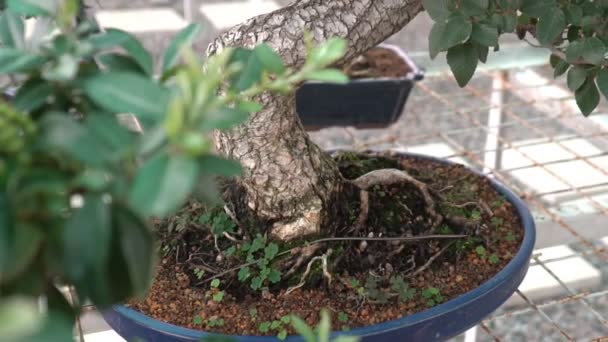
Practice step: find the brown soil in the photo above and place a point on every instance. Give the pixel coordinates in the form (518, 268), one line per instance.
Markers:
(377, 62)
(176, 298)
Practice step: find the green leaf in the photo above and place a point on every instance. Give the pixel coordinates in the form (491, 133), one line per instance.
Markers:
(183, 38)
(474, 7)
(215, 283)
(86, 238)
(576, 77)
(327, 75)
(485, 35)
(462, 60)
(574, 14)
(119, 62)
(223, 118)
(275, 324)
(303, 329)
(34, 7)
(244, 273)
(560, 68)
(138, 248)
(282, 334)
(324, 327)
(251, 72)
(211, 164)
(270, 59)
(536, 8)
(593, 50)
(249, 106)
(12, 30)
(256, 283)
(61, 70)
(482, 52)
(107, 39)
(328, 52)
(32, 95)
(218, 296)
(15, 61)
(59, 132)
(122, 92)
(550, 25)
(587, 97)
(438, 10)
(274, 276)
(444, 36)
(264, 327)
(134, 48)
(163, 184)
(602, 82)
(271, 251)
(509, 22)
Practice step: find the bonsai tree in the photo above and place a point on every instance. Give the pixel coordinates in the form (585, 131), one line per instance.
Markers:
(78, 188)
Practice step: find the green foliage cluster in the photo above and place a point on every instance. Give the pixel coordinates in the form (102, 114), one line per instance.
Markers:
(259, 253)
(375, 291)
(280, 326)
(432, 295)
(80, 179)
(576, 31)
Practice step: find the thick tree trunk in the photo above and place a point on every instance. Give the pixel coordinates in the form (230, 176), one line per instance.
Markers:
(289, 182)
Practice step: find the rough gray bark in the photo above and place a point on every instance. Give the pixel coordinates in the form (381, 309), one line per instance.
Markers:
(290, 182)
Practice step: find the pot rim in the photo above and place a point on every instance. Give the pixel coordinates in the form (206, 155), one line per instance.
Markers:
(415, 74)
(520, 260)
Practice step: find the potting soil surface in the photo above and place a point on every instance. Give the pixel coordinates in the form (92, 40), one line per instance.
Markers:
(181, 297)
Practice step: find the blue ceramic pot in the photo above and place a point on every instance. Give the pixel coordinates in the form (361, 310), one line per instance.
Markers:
(436, 324)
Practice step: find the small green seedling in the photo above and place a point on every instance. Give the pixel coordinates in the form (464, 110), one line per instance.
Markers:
(217, 297)
(264, 327)
(481, 251)
(432, 295)
(510, 237)
(253, 312)
(215, 322)
(402, 288)
(199, 273)
(496, 221)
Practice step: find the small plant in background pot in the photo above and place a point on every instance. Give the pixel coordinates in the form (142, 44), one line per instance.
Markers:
(254, 221)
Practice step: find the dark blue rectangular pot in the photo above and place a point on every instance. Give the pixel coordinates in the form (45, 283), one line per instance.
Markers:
(435, 324)
(362, 103)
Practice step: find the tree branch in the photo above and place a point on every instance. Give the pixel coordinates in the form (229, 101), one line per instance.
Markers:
(363, 23)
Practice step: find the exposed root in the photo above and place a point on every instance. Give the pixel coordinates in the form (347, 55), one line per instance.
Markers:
(326, 273)
(230, 237)
(486, 208)
(243, 230)
(394, 176)
(481, 205)
(430, 261)
(463, 205)
(363, 212)
(305, 254)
